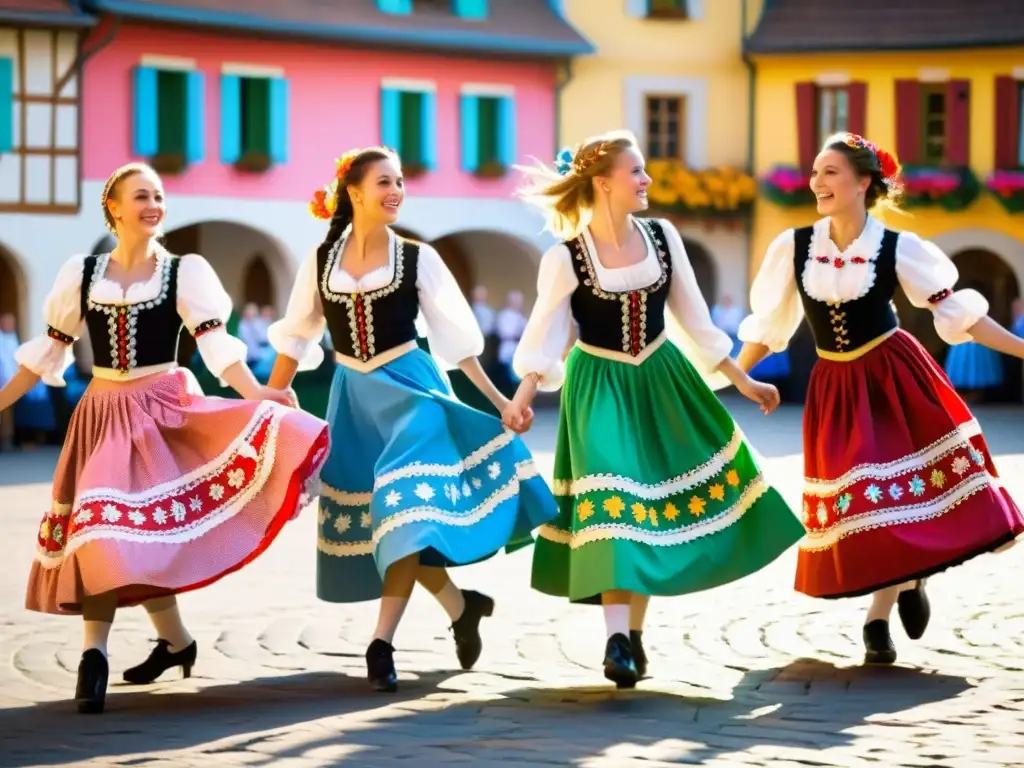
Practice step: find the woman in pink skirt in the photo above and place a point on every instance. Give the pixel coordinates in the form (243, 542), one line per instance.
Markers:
(158, 489)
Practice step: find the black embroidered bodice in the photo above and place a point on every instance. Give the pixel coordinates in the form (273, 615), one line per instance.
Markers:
(363, 325)
(128, 336)
(845, 326)
(626, 321)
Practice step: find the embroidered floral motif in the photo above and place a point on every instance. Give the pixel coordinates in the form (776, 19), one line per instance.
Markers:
(585, 509)
(424, 491)
(639, 512)
(696, 506)
(938, 478)
(873, 493)
(366, 519)
(614, 506)
(717, 492)
(342, 523)
(56, 335)
(392, 498)
(935, 298)
(917, 486)
(843, 503)
(172, 509)
(652, 516)
(961, 465)
(671, 512)
(206, 326)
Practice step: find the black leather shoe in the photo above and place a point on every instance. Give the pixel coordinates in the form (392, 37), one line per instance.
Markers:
(91, 691)
(160, 660)
(618, 662)
(915, 611)
(636, 644)
(878, 647)
(380, 666)
(466, 628)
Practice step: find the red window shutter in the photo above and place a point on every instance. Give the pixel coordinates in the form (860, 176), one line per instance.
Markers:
(856, 107)
(908, 121)
(1007, 122)
(958, 122)
(807, 142)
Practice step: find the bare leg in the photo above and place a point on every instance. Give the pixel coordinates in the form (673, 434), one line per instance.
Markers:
(439, 584)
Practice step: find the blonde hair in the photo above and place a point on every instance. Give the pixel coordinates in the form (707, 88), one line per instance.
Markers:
(111, 187)
(566, 196)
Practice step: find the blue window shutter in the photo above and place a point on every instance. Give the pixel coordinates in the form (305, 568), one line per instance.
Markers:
(390, 118)
(144, 112)
(195, 110)
(230, 119)
(470, 9)
(400, 7)
(428, 130)
(6, 105)
(507, 140)
(470, 133)
(279, 120)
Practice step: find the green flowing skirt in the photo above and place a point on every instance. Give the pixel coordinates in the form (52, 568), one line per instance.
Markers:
(658, 491)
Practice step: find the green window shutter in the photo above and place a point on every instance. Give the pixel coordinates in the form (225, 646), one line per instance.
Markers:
(256, 115)
(411, 127)
(489, 130)
(172, 111)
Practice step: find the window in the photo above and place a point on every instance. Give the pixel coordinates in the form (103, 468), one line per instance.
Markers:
(833, 108)
(254, 120)
(40, 153)
(470, 9)
(397, 7)
(168, 127)
(933, 123)
(1020, 125)
(672, 9)
(488, 131)
(409, 123)
(666, 121)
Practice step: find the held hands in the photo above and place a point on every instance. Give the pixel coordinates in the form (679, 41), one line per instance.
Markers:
(765, 395)
(517, 414)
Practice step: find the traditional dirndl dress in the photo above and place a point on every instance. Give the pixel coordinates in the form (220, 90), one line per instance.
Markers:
(158, 489)
(657, 489)
(899, 481)
(412, 470)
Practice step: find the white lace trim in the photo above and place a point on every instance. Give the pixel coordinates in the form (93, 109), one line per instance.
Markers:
(525, 470)
(345, 498)
(942, 447)
(181, 534)
(678, 484)
(823, 282)
(667, 538)
(477, 457)
(907, 513)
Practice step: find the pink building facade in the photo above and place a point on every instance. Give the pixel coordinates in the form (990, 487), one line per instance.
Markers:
(244, 115)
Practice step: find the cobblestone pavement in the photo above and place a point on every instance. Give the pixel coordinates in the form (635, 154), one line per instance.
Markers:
(749, 674)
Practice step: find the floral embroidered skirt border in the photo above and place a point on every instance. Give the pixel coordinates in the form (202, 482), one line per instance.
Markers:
(899, 481)
(160, 490)
(658, 492)
(413, 470)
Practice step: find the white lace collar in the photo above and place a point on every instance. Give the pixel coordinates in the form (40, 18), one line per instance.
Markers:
(106, 291)
(836, 276)
(341, 281)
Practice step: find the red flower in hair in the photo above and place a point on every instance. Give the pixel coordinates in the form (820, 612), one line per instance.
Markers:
(890, 165)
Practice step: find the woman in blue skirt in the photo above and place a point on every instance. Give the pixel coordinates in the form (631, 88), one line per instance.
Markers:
(416, 481)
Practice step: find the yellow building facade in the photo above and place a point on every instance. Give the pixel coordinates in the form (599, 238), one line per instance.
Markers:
(672, 72)
(944, 94)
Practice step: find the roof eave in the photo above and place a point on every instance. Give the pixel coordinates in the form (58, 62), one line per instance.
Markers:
(33, 19)
(436, 40)
(877, 48)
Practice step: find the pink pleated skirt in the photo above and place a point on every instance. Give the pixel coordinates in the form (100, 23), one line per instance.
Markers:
(161, 490)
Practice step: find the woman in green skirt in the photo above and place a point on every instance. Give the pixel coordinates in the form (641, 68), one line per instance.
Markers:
(658, 492)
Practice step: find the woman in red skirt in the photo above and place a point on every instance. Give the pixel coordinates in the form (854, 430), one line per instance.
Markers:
(158, 489)
(899, 481)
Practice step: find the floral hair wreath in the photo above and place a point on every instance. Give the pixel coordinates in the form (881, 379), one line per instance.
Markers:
(567, 161)
(888, 164)
(325, 200)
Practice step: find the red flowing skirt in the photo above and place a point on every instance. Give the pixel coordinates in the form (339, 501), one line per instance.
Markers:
(899, 483)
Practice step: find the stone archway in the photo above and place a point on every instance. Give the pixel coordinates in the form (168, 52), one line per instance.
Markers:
(703, 269)
(13, 290)
(252, 265)
(496, 261)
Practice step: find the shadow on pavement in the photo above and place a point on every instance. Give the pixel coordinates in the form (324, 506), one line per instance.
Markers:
(805, 707)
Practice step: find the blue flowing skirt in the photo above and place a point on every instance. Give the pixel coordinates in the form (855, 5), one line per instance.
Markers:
(973, 366)
(414, 471)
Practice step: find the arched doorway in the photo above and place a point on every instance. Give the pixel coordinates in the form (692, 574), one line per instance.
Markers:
(252, 266)
(703, 269)
(986, 272)
(12, 289)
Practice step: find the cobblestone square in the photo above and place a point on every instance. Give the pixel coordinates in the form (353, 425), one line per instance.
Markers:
(751, 674)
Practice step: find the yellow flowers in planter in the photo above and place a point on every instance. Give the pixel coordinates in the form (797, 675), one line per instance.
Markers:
(715, 191)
